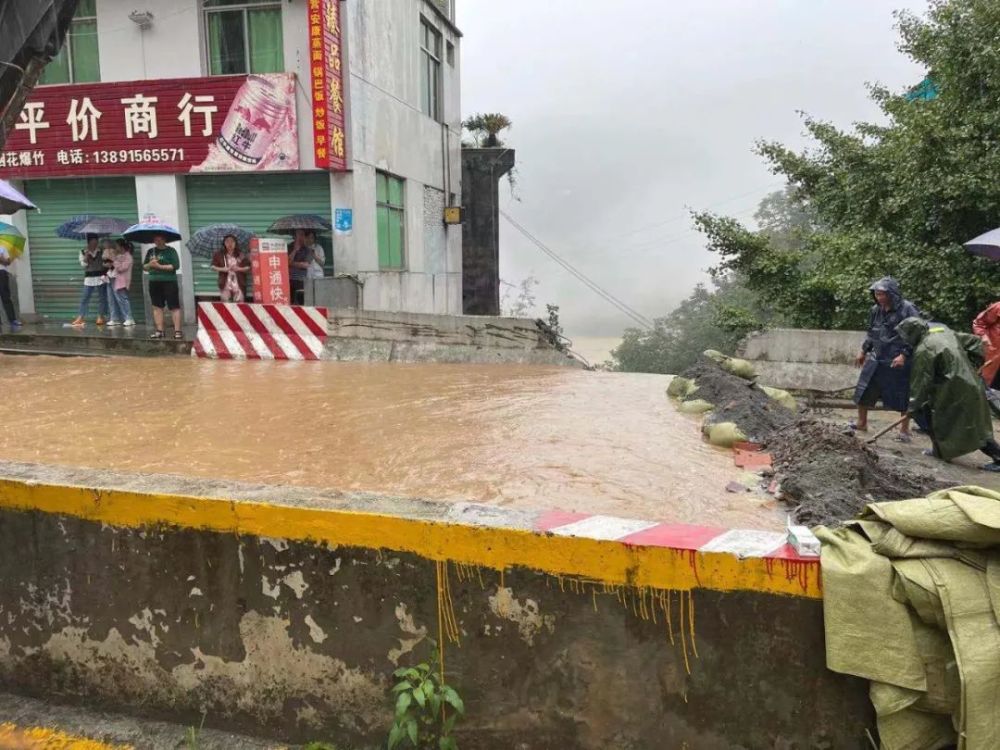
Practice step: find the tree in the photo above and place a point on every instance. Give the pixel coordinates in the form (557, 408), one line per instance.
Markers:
(486, 128)
(518, 300)
(708, 319)
(896, 199)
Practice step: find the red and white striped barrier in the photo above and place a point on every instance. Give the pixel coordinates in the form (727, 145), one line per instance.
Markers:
(780, 558)
(252, 331)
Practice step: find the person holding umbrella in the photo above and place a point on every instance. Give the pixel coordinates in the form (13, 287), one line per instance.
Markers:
(300, 257)
(162, 264)
(232, 267)
(301, 253)
(11, 247)
(94, 279)
(119, 281)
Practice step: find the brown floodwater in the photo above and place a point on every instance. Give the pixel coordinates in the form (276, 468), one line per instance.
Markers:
(521, 437)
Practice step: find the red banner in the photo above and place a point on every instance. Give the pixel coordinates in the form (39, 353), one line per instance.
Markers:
(327, 73)
(214, 124)
(269, 267)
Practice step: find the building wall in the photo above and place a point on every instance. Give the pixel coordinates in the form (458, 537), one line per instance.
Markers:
(389, 132)
(386, 131)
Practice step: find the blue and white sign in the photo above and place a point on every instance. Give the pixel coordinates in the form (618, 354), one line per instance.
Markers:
(343, 220)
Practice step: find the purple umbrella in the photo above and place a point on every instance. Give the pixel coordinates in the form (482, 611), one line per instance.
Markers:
(987, 245)
(11, 200)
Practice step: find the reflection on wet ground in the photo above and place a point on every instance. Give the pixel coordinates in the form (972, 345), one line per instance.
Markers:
(522, 437)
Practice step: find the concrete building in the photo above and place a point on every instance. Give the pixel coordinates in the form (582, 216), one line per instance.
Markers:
(154, 109)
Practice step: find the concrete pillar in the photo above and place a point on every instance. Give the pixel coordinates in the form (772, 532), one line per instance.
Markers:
(345, 253)
(482, 169)
(166, 197)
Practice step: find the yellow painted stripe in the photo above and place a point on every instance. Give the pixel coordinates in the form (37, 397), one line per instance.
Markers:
(13, 737)
(498, 548)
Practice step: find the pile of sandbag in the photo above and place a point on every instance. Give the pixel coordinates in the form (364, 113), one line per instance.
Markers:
(735, 408)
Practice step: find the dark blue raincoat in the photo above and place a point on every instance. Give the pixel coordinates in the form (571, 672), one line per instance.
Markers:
(883, 344)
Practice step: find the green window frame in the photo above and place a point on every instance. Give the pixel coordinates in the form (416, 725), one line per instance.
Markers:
(390, 215)
(79, 59)
(430, 70)
(243, 36)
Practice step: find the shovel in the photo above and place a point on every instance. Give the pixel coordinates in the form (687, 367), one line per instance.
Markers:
(895, 424)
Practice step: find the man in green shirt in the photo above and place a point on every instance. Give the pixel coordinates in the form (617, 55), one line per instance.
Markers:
(162, 263)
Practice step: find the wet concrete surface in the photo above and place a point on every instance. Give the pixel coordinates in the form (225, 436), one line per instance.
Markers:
(38, 725)
(518, 437)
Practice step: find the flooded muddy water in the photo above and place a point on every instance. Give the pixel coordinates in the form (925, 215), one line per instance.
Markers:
(522, 437)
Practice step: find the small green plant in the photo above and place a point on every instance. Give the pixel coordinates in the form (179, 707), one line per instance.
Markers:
(319, 746)
(426, 709)
(191, 739)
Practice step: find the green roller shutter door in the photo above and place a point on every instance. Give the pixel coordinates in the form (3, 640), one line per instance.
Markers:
(56, 274)
(253, 202)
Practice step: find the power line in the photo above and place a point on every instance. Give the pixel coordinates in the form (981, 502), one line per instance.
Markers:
(638, 317)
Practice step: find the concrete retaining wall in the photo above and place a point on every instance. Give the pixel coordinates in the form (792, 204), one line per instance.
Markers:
(804, 359)
(368, 335)
(284, 613)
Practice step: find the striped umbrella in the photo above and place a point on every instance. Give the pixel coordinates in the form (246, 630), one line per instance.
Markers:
(11, 240)
(70, 229)
(208, 240)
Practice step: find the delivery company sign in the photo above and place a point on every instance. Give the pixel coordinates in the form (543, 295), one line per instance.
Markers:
(213, 124)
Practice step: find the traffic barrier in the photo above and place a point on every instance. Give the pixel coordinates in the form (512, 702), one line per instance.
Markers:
(253, 331)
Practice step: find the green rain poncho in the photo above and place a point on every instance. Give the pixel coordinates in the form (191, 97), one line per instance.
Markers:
(944, 382)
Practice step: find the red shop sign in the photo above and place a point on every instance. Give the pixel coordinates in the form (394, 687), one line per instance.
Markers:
(327, 78)
(174, 125)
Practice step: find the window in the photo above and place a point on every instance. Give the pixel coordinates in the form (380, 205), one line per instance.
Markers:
(430, 70)
(77, 61)
(244, 36)
(391, 224)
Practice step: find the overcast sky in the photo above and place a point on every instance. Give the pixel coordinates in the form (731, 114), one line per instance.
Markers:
(627, 114)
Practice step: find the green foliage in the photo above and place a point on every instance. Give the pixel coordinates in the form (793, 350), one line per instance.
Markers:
(486, 128)
(715, 319)
(426, 709)
(319, 746)
(896, 199)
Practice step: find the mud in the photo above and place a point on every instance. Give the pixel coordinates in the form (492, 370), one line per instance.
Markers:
(737, 400)
(824, 476)
(828, 477)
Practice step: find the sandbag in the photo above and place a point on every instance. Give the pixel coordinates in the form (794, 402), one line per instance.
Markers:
(784, 398)
(739, 367)
(733, 365)
(695, 406)
(681, 387)
(723, 434)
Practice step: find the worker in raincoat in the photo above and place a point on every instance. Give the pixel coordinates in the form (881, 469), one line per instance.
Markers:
(947, 391)
(885, 358)
(987, 327)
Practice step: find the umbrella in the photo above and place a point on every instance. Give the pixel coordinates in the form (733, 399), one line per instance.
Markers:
(208, 240)
(103, 226)
(288, 224)
(70, 229)
(144, 232)
(11, 240)
(11, 200)
(986, 245)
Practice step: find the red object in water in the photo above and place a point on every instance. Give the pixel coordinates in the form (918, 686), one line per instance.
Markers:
(751, 459)
(747, 446)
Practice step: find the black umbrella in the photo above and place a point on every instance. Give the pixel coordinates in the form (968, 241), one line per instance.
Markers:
(288, 224)
(986, 245)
